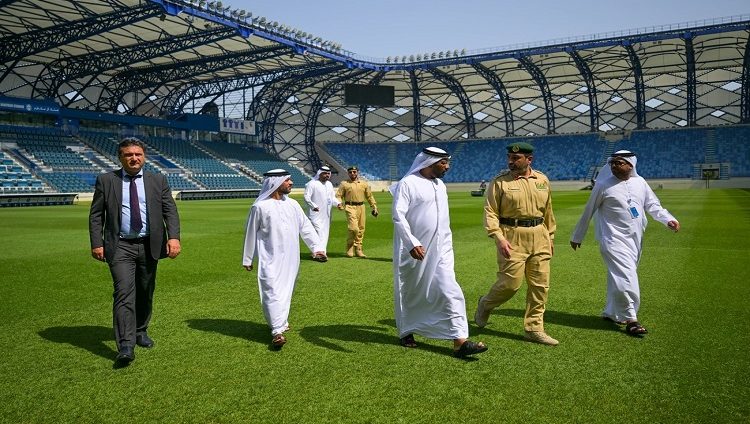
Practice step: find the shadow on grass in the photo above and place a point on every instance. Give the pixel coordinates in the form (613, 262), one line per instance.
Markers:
(88, 337)
(486, 331)
(305, 256)
(335, 255)
(590, 322)
(247, 330)
(326, 335)
(368, 258)
(422, 346)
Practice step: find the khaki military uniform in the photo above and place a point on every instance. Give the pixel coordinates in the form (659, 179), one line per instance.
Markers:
(353, 195)
(527, 201)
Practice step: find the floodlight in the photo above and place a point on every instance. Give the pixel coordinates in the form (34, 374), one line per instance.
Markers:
(219, 5)
(242, 13)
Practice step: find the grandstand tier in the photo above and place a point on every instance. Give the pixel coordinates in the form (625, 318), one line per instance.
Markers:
(45, 160)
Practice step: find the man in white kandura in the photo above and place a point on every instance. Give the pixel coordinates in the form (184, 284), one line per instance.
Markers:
(274, 226)
(320, 198)
(619, 199)
(428, 300)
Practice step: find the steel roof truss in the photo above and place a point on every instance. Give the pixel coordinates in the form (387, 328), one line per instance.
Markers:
(22, 45)
(541, 81)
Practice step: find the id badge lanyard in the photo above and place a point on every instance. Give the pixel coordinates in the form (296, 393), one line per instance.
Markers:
(632, 209)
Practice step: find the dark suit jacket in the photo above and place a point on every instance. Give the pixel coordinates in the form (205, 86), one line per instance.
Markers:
(106, 211)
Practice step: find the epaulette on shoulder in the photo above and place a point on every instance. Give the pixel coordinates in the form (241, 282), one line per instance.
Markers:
(541, 173)
(502, 173)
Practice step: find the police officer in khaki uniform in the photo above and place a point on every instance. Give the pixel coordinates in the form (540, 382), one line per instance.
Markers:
(352, 195)
(518, 216)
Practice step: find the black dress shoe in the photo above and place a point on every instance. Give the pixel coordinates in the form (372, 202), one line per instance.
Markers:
(125, 356)
(143, 340)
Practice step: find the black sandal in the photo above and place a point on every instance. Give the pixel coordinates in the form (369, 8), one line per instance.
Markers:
(408, 341)
(635, 329)
(278, 341)
(469, 348)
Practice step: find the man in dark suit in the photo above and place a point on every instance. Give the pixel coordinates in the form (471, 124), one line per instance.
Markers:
(132, 224)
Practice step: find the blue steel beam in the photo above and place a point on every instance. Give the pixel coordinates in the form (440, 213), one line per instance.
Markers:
(640, 101)
(416, 106)
(81, 88)
(745, 93)
(72, 68)
(692, 98)
(541, 81)
(332, 85)
(272, 99)
(268, 135)
(459, 91)
(588, 77)
(361, 127)
(134, 80)
(178, 98)
(8, 69)
(274, 95)
(261, 98)
(32, 42)
(494, 80)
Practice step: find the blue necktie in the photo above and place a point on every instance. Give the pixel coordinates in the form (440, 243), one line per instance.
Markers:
(135, 209)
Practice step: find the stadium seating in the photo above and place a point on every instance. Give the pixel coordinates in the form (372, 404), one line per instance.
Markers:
(670, 153)
(253, 158)
(205, 169)
(560, 157)
(35, 159)
(733, 147)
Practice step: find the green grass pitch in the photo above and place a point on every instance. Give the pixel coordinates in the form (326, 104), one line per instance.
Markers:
(343, 364)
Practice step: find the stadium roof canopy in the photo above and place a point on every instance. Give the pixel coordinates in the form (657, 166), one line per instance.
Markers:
(159, 58)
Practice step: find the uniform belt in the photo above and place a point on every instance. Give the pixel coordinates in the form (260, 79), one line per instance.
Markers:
(355, 203)
(136, 240)
(531, 222)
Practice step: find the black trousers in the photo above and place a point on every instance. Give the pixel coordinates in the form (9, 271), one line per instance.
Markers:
(133, 272)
